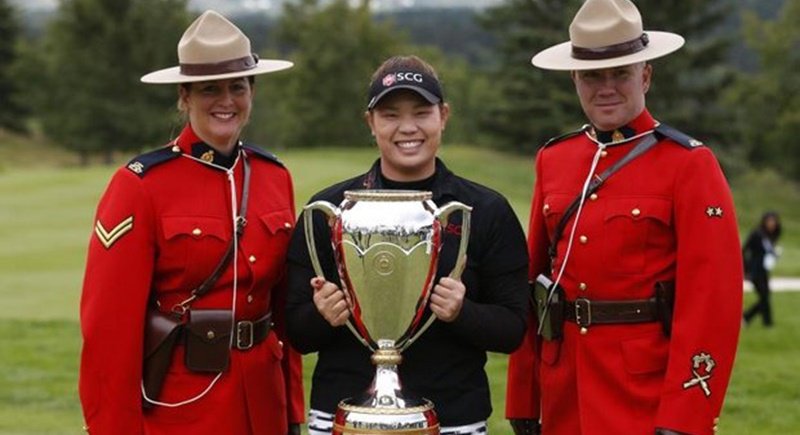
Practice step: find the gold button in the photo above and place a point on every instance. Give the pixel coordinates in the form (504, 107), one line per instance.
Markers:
(197, 231)
(715, 428)
(716, 420)
(85, 428)
(176, 149)
(583, 239)
(280, 343)
(546, 208)
(636, 212)
(287, 225)
(593, 197)
(584, 331)
(603, 153)
(251, 258)
(210, 334)
(582, 286)
(249, 298)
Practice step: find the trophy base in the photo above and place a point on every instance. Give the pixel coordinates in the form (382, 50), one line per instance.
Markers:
(417, 419)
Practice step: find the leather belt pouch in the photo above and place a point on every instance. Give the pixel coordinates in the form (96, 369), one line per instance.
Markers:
(208, 340)
(161, 333)
(549, 308)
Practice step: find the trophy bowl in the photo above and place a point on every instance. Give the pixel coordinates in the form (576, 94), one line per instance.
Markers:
(386, 245)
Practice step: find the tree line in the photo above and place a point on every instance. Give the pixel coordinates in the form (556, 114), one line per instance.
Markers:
(78, 82)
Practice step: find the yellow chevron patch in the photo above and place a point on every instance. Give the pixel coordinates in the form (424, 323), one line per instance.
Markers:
(108, 238)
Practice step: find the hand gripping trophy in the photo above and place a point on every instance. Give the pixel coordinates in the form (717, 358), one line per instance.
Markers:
(386, 245)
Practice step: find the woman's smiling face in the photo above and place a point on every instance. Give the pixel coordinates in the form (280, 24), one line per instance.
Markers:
(218, 110)
(408, 130)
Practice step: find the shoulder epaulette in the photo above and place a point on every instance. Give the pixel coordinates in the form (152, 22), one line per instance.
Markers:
(262, 153)
(678, 136)
(567, 135)
(140, 164)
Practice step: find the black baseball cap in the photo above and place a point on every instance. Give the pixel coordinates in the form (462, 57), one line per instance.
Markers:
(405, 78)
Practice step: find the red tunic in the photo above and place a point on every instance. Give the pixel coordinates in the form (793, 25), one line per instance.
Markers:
(667, 215)
(163, 224)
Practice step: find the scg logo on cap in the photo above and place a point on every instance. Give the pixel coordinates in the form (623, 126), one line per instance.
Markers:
(391, 79)
(415, 80)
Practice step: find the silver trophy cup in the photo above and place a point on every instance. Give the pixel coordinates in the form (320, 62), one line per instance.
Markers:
(386, 245)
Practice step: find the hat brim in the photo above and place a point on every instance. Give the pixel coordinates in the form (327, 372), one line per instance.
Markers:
(427, 95)
(173, 75)
(559, 57)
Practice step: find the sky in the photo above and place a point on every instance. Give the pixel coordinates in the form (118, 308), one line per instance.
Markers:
(270, 6)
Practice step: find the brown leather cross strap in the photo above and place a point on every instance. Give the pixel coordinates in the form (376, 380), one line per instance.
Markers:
(643, 146)
(587, 312)
(180, 309)
(240, 224)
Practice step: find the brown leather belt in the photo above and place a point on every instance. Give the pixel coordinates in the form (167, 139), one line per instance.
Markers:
(586, 312)
(249, 333)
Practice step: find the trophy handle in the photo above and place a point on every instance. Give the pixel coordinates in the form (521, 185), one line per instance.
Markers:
(442, 215)
(332, 212)
(308, 218)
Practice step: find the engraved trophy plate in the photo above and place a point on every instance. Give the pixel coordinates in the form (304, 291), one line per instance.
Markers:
(386, 245)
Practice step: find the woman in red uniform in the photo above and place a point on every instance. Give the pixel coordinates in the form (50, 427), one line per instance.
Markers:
(196, 230)
(648, 269)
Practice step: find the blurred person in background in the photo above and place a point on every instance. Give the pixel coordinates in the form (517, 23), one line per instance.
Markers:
(188, 255)
(760, 254)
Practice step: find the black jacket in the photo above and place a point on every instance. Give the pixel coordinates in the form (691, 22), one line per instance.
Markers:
(446, 364)
(753, 254)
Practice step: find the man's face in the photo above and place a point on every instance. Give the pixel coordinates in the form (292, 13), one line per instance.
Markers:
(613, 97)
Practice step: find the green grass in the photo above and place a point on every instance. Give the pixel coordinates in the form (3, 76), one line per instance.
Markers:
(40, 361)
(46, 212)
(38, 382)
(764, 396)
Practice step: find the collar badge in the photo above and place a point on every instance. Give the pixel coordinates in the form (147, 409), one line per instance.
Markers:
(207, 156)
(136, 167)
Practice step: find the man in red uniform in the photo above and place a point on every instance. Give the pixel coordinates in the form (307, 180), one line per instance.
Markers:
(634, 223)
(162, 227)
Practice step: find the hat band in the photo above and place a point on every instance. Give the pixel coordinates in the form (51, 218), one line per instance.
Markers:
(228, 66)
(611, 51)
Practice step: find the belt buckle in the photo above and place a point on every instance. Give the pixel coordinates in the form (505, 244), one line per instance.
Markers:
(583, 312)
(244, 335)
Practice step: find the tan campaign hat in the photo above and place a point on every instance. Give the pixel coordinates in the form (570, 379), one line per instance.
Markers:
(607, 34)
(213, 48)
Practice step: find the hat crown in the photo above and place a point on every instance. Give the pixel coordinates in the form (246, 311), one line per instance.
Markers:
(603, 23)
(210, 39)
(213, 48)
(607, 34)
